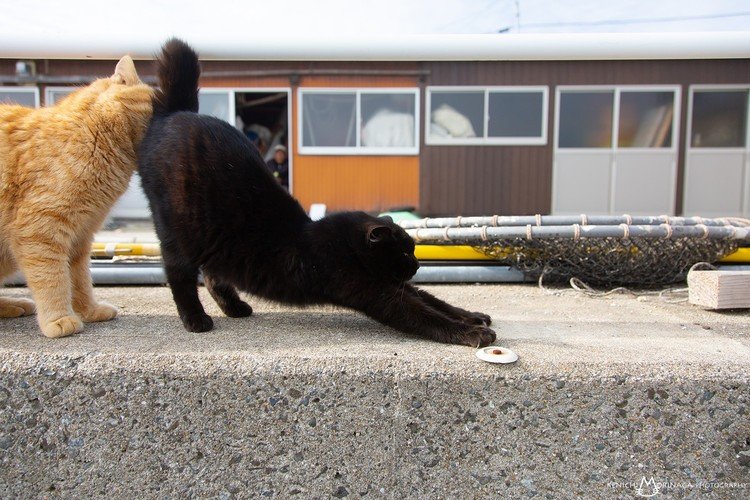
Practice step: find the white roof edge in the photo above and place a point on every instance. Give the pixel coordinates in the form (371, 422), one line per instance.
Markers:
(497, 47)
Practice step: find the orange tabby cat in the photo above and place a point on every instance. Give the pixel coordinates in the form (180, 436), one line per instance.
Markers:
(61, 170)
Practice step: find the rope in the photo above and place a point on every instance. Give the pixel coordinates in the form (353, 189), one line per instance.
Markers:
(579, 286)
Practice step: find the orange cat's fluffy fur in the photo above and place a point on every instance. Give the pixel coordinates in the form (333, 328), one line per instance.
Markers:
(61, 170)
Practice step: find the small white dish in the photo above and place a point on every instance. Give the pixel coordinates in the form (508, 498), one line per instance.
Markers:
(497, 354)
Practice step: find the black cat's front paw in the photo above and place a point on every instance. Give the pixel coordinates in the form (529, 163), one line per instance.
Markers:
(238, 309)
(477, 318)
(198, 322)
(476, 336)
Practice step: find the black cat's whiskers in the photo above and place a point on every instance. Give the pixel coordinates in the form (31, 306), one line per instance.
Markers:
(402, 289)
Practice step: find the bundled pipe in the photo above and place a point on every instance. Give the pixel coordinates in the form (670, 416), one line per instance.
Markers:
(569, 220)
(453, 235)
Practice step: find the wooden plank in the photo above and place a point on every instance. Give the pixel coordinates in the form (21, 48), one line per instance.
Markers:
(719, 289)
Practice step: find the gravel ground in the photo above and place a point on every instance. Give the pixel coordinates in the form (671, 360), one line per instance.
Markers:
(326, 403)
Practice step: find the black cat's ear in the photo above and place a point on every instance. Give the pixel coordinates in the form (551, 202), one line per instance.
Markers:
(376, 234)
(386, 218)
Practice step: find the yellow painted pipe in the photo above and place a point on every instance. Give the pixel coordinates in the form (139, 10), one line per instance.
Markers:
(742, 255)
(449, 252)
(422, 252)
(129, 249)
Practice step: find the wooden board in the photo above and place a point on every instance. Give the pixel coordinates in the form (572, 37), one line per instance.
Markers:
(719, 289)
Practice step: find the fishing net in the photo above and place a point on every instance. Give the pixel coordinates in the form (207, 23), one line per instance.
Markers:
(602, 251)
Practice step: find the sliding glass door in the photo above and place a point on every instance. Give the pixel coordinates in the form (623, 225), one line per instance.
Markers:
(716, 166)
(615, 150)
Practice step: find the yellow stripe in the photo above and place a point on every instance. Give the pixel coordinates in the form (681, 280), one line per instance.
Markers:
(742, 255)
(422, 252)
(112, 249)
(448, 252)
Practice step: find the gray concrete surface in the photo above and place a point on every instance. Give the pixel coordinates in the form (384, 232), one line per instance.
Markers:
(324, 402)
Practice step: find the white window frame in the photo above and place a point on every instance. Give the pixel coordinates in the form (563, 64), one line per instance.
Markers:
(21, 90)
(690, 150)
(357, 149)
(485, 140)
(716, 88)
(48, 91)
(230, 98)
(616, 91)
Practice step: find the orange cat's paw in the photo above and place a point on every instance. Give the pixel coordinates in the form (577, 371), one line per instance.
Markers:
(101, 312)
(13, 308)
(67, 325)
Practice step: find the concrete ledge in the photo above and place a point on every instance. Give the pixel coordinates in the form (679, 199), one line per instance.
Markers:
(325, 402)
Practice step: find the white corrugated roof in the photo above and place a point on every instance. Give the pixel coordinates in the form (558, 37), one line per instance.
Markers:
(579, 46)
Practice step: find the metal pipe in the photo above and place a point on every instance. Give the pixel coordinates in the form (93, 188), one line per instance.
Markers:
(153, 274)
(151, 80)
(115, 274)
(469, 274)
(315, 72)
(60, 79)
(563, 220)
(478, 235)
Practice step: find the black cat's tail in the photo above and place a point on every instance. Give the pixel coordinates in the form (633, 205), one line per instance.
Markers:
(177, 70)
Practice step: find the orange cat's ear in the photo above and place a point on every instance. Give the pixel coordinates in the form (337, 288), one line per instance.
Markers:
(125, 72)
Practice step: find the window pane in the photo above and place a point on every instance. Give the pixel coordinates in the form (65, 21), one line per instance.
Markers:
(457, 114)
(24, 98)
(388, 120)
(719, 119)
(55, 96)
(215, 104)
(515, 114)
(646, 119)
(586, 119)
(329, 120)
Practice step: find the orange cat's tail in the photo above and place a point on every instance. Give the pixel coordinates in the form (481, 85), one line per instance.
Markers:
(177, 70)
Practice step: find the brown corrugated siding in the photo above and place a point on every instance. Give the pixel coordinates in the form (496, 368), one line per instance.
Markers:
(450, 179)
(465, 180)
(518, 179)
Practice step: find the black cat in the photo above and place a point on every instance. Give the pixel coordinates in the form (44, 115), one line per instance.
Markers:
(218, 210)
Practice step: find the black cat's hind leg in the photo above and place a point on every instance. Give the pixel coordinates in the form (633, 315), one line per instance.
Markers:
(184, 284)
(227, 298)
(472, 318)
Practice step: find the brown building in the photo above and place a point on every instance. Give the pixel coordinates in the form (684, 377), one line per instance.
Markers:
(457, 125)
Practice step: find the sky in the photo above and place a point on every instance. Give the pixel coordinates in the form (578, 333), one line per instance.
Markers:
(367, 17)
